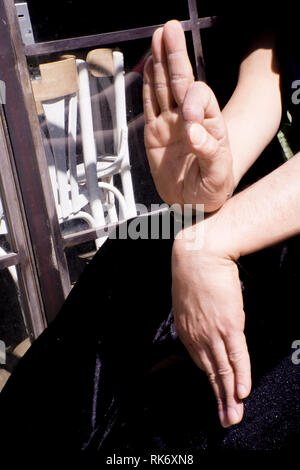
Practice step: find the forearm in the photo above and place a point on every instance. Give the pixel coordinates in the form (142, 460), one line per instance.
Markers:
(253, 113)
(263, 214)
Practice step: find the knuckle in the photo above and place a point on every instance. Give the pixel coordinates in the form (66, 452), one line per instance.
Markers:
(186, 334)
(204, 335)
(197, 334)
(238, 320)
(192, 113)
(160, 86)
(228, 329)
(147, 101)
(202, 88)
(211, 377)
(193, 338)
(178, 76)
(224, 371)
(210, 147)
(236, 356)
(231, 326)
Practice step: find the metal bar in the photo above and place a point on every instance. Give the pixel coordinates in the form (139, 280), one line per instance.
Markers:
(25, 23)
(27, 35)
(97, 232)
(31, 165)
(82, 42)
(196, 35)
(87, 235)
(10, 259)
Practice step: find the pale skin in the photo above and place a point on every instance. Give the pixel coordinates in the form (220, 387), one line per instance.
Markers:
(207, 298)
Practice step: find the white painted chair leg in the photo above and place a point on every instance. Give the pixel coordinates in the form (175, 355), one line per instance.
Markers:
(121, 122)
(88, 143)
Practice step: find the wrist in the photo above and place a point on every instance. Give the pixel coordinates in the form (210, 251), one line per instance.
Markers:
(212, 236)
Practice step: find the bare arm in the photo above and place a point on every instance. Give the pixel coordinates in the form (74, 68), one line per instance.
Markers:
(253, 113)
(196, 153)
(264, 213)
(207, 297)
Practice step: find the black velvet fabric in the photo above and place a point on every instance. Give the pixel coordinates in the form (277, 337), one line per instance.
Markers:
(110, 375)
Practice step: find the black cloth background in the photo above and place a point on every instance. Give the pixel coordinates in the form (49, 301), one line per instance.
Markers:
(109, 375)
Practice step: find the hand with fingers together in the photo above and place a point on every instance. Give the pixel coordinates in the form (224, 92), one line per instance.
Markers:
(185, 133)
(208, 312)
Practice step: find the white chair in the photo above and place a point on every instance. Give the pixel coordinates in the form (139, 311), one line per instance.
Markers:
(63, 98)
(107, 80)
(4, 231)
(11, 269)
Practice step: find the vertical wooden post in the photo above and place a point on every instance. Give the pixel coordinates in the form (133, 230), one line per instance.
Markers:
(31, 166)
(28, 283)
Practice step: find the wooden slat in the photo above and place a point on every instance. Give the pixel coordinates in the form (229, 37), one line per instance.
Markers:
(58, 79)
(100, 62)
(87, 235)
(98, 40)
(10, 259)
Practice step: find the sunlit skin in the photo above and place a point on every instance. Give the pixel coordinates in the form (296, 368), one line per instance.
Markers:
(207, 297)
(185, 134)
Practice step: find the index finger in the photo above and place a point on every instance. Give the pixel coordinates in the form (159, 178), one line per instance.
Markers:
(179, 65)
(150, 104)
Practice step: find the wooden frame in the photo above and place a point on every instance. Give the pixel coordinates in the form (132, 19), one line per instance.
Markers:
(31, 172)
(19, 238)
(38, 243)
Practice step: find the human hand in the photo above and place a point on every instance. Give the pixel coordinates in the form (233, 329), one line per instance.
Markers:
(209, 315)
(185, 134)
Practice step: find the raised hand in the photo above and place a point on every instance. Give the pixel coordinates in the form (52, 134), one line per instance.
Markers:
(185, 134)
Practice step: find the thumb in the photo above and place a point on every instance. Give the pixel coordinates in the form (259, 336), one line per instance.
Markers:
(203, 144)
(201, 106)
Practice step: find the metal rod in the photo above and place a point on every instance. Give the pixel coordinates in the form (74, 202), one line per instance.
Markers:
(87, 235)
(82, 42)
(196, 35)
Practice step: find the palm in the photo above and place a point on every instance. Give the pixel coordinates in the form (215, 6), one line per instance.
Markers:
(177, 170)
(183, 172)
(168, 155)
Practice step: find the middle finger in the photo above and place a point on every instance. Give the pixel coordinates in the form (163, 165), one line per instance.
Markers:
(179, 65)
(226, 378)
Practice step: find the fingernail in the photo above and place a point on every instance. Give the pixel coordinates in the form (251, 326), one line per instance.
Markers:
(196, 133)
(241, 391)
(232, 416)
